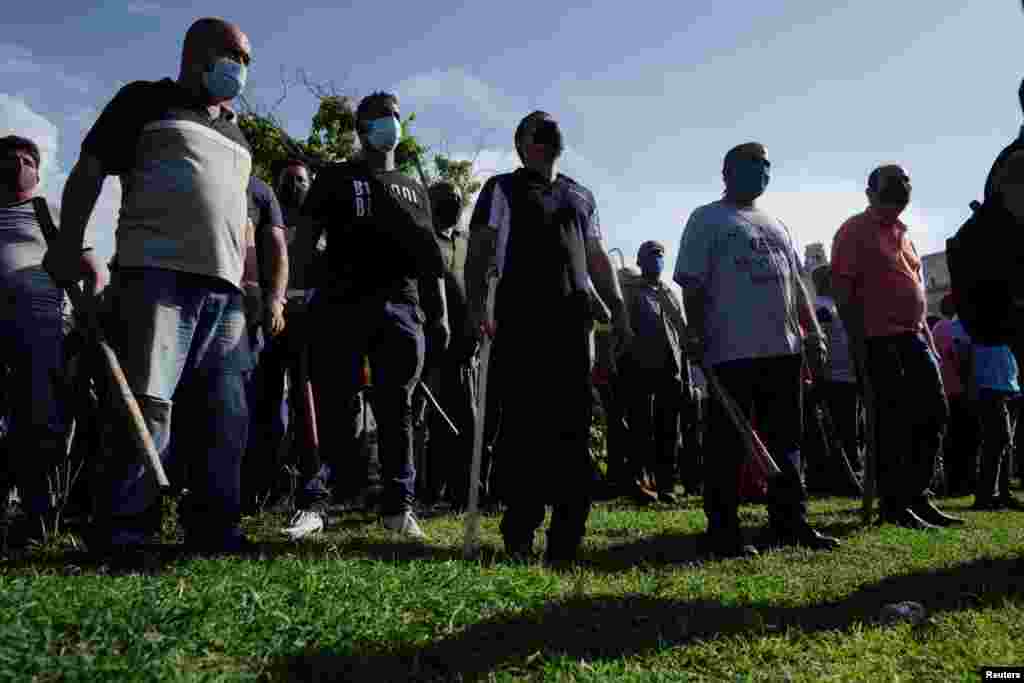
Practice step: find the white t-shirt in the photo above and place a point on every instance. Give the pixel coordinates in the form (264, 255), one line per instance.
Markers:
(746, 262)
(840, 365)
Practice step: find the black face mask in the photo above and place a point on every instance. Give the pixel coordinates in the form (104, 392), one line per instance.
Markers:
(291, 193)
(549, 133)
(446, 213)
(894, 193)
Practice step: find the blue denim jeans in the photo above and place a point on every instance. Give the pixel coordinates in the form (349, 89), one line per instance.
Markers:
(32, 346)
(181, 340)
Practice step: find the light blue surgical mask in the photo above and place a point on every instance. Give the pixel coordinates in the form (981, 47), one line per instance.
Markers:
(225, 79)
(748, 178)
(384, 133)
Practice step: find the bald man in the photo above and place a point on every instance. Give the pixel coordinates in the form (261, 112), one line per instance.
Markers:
(878, 284)
(177, 320)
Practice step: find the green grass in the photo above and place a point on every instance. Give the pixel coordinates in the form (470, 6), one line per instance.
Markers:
(355, 604)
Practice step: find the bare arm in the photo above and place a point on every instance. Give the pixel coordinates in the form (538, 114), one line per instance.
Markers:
(81, 191)
(480, 258)
(275, 255)
(602, 273)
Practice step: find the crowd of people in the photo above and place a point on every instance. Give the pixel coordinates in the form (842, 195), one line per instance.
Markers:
(260, 327)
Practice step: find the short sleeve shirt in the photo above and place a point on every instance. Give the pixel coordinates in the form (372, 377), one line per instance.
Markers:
(22, 247)
(264, 213)
(183, 177)
(881, 267)
(380, 235)
(493, 208)
(745, 261)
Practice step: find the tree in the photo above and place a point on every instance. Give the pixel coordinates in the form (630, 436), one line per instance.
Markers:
(332, 138)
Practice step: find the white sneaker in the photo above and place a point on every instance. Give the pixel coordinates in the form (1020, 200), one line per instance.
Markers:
(405, 524)
(304, 523)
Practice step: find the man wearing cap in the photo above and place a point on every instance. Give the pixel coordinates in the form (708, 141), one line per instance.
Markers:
(654, 369)
(746, 303)
(879, 288)
(538, 231)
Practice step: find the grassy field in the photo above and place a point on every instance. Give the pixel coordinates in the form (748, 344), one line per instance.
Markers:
(356, 604)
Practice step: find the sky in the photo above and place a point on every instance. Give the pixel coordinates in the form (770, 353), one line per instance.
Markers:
(650, 95)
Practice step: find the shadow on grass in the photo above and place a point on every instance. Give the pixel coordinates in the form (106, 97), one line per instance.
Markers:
(615, 627)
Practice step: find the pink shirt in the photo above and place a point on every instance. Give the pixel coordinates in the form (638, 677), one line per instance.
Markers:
(948, 361)
(880, 265)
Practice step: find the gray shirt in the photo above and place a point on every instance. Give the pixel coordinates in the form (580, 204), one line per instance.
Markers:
(746, 262)
(22, 247)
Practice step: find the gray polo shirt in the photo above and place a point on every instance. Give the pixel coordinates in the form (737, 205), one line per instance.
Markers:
(184, 177)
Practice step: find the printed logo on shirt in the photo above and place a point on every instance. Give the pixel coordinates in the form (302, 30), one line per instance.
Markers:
(361, 199)
(403, 192)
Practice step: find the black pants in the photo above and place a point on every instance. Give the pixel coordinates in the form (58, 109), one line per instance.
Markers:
(391, 334)
(771, 389)
(543, 446)
(449, 457)
(911, 416)
(997, 426)
(653, 402)
(617, 436)
(960, 447)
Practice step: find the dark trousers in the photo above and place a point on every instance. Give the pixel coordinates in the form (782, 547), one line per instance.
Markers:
(769, 388)
(997, 428)
(960, 447)
(843, 402)
(617, 436)
(911, 416)
(266, 458)
(449, 457)
(391, 335)
(653, 402)
(543, 447)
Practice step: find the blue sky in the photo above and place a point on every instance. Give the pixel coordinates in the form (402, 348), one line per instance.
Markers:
(650, 94)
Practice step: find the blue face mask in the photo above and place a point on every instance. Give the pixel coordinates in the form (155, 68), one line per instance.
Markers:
(748, 178)
(384, 133)
(652, 264)
(225, 80)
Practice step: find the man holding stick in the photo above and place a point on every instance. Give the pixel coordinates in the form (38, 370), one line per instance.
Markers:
(539, 231)
(741, 280)
(177, 318)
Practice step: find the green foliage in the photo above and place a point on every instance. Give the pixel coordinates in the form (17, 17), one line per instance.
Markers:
(409, 150)
(332, 136)
(460, 174)
(266, 141)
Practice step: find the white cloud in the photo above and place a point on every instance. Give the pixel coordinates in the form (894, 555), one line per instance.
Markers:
(481, 102)
(17, 118)
(22, 68)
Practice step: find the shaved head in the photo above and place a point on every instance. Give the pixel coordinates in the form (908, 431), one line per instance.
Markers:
(208, 39)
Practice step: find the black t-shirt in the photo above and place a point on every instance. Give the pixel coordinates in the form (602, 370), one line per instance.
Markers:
(380, 235)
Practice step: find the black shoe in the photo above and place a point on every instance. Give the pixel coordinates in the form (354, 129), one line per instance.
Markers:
(985, 504)
(1010, 503)
(804, 536)
(933, 515)
(521, 552)
(906, 518)
(725, 545)
(232, 545)
(667, 497)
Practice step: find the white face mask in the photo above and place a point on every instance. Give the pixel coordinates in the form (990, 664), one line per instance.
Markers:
(225, 79)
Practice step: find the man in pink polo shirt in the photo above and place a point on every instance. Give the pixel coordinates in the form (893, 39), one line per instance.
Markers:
(879, 290)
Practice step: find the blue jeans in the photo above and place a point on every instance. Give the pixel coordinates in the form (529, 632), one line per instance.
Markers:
(391, 334)
(181, 339)
(32, 346)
